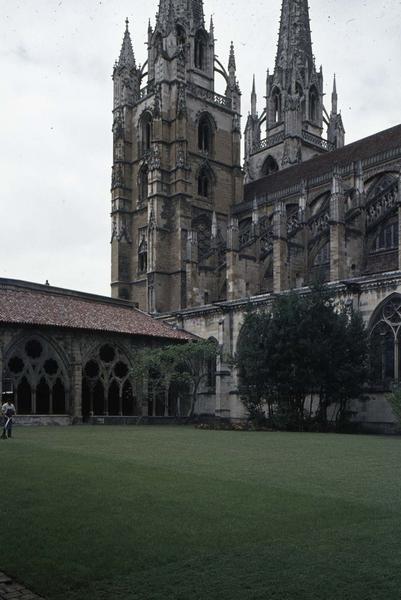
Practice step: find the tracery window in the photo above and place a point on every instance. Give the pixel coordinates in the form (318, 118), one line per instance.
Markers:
(202, 225)
(200, 51)
(276, 105)
(270, 166)
(143, 183)
(385, 342)
(313, 104)
(205, 135)
(387, 238)
(143, 256)
(39, 378)
(107, 387)
(323, 256)
(146, 126)
(204, 185)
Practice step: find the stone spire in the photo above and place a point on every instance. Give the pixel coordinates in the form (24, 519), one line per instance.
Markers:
(294, 45)
(190, 11)
(253, 99)
(334, 98)
(127, 58)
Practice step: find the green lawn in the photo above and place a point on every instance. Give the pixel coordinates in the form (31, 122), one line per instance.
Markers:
(146, 513)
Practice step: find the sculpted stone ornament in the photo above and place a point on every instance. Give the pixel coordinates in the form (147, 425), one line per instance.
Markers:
(118, 126)
(154, 159)
(117, 177)
(157, 103)
(181, 102)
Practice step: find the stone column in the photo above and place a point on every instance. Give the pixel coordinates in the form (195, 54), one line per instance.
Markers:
(337, 229)
(280, 249)
(235, 283)
(76, 383)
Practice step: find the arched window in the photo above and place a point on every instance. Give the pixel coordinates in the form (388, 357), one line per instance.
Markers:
(203, 226)
(386, 238)
(313, 105)
(323, 256)
(204, 183)
(181, 36)
(146, 132)
(158, 44)
(276, 96)
(200, 51)
(205, 135)
(385, 342)
(39, 377)
(143, 183)
(106, 375)
(143, 256)
(270, 166)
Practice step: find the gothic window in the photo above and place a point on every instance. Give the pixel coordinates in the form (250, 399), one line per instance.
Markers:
(323, 256)
(146, 132)
(143, 183)
(200, 51)
(107, 385)
(313, 105)
(276, 105)
(143, 256)
(205, 135)
(204, 187)
(158, 44)
(385, 342)
(386, 238)
(181, 36)
(270, 166)
(39, 378)
(202, 225)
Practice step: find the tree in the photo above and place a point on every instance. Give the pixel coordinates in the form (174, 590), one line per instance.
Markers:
(182, 364)
(306, 347)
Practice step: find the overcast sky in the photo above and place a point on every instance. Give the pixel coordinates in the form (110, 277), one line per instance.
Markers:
(56, 60)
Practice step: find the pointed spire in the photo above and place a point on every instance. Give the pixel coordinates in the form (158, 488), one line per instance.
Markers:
(295, 43)
(231, 60)
(334, 98)
(253, 99)
(211, 29)
(127, 58)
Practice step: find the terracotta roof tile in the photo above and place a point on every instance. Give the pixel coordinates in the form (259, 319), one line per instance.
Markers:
(33, 304)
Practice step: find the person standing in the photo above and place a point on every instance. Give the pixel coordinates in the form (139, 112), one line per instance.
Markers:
(8, 412)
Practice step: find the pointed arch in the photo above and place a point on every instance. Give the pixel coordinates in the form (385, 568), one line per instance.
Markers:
(276, 105)
(200, 46)
(313, 104)
(385, 336)
(270, 166)
(36, 365)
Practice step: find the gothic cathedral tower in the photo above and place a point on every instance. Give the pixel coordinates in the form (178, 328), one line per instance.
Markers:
(176, 164)
(294, 114)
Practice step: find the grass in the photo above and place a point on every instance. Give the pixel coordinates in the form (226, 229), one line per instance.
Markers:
(147, 513)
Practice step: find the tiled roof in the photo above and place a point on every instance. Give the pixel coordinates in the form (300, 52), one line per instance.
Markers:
(324, 163)
(25, 303)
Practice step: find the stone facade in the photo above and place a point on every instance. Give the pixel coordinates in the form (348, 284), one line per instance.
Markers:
(310, 207)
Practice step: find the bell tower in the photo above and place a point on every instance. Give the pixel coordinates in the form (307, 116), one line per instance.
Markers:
(294, 116)
(177, 164)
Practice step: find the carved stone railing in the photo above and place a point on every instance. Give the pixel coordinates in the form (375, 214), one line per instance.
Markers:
(146, 91)
(209, 96)
(317, 141)
(381, 204)
(269, 142)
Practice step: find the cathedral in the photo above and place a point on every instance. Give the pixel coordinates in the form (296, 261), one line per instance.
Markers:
(199, 236)
(203, 229)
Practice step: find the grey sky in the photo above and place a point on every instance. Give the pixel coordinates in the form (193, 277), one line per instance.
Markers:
(56, 59)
